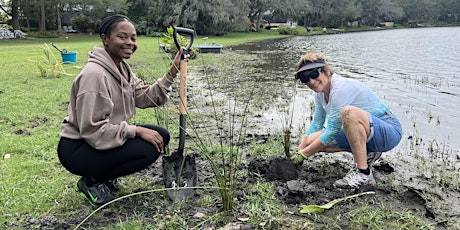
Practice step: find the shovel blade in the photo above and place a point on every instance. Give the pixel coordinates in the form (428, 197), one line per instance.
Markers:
(181, 180)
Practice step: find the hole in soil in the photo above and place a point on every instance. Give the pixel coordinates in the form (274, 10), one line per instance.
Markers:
(37, 122)
(21, 132)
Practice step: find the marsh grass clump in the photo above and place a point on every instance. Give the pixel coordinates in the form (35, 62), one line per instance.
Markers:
(224, 149)
(50, 66)
(286, 132)
(288, 116)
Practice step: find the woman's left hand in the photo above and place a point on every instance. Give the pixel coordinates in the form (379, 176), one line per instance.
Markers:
(151, 136)
(177, 59)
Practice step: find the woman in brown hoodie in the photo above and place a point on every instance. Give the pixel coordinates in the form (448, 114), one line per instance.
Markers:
(96, 141)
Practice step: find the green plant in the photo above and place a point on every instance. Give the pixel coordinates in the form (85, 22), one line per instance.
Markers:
(223, 153)
(222, 142)
(50, 67)
(225, 156)
(168, 41)
(288, 116)
(168, 45)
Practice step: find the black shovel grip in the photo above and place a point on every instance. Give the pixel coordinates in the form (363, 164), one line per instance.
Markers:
(183, 31)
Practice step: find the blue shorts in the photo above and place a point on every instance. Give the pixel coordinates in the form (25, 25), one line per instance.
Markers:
(386, 132)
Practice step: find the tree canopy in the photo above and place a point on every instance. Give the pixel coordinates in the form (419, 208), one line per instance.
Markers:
(218, 17)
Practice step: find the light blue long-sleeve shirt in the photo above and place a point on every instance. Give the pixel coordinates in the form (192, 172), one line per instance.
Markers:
(344, 92)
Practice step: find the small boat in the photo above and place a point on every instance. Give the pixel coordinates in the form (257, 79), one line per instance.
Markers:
(211, 48)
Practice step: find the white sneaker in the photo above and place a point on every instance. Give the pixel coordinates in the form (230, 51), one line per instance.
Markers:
(372, 157)
(355, 179)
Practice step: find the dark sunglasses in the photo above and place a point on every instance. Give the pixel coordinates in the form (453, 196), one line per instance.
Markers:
(304, 77)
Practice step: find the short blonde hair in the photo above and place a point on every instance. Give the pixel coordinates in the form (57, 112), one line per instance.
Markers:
(312, 57)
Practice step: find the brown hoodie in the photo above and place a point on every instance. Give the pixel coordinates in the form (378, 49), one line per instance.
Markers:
(102, 99)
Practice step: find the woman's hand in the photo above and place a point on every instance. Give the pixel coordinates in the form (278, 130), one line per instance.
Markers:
(176, 63)
(298, 157)
(151, 136)
(304, 143)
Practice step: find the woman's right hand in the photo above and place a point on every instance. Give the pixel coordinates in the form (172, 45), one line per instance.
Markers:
(151, 136)
(303, 143)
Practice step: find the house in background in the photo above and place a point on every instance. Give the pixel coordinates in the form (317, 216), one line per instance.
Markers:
(272, 21)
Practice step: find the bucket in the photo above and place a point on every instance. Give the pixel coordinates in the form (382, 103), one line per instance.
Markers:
(69, 57)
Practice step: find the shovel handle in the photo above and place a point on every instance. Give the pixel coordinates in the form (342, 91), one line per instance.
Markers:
(178, 42)
(183, 83)
(183, 88)
(183, 65)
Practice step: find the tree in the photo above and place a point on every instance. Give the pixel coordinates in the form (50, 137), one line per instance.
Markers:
(449, 10)
(420, 10)
(91, 12)
(370, 12)
(256, 12)
(42, 16)
(390, 11)
(319, 11)
(14, 13)
(208, 16)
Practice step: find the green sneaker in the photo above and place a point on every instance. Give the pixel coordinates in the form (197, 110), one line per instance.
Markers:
(115, 185)
(98, 194)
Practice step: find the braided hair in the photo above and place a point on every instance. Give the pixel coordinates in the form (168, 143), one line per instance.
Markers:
(108, 23)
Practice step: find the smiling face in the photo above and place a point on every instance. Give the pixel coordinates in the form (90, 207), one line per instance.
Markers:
(311, 62)
(320, 84)
(121, 41)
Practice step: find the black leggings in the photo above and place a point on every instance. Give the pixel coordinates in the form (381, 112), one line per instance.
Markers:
(136, 154)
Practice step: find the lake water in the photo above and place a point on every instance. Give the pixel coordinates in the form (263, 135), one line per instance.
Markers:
(415, 71)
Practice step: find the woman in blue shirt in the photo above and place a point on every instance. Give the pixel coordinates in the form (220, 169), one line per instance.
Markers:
(348, 116)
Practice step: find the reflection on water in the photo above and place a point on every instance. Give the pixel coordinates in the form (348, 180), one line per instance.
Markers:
(415, 71)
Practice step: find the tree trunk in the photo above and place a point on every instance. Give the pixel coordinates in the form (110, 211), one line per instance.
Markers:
(15, 14)
(42, 16)
(259, 19)
(59, 19)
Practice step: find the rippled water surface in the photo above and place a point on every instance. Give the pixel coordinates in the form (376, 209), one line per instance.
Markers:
(415, 71)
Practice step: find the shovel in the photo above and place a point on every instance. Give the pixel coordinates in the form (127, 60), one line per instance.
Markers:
(60, 51)
(179, 171)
